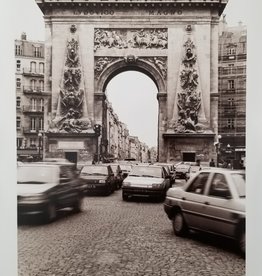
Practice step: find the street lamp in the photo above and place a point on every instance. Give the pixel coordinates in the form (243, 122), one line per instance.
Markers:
(217, 145)
(40, 135)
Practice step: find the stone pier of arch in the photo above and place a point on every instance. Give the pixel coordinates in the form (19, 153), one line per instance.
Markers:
(174, 43)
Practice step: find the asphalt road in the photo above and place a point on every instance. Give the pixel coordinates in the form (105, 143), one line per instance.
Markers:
(112, 237)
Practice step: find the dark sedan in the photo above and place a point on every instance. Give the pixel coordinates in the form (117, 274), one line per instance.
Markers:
(98, 179)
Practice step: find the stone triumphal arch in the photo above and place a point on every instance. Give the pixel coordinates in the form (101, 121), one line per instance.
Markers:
(174, 42)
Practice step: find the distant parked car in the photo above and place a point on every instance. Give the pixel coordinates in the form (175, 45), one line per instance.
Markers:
(126, 169)
(212, 201)
(146, 181)
(98, 179)
(183, 171)
(43, 188)
(170, 170)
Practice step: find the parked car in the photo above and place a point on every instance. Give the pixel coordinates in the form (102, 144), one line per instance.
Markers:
(183, 171)
(147, 181)
(126, 169)
(43, 188)
(170, 170)
(98, 179)
(194, 170)
(212, 201)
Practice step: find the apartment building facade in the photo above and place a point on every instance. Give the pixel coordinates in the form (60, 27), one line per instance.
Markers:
(232, 94)
(31, 98)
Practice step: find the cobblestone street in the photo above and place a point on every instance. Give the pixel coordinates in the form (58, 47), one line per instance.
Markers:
(113, 237)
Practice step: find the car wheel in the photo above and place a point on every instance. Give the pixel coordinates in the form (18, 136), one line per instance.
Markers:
(242, 242)
(77, 207)
(179, 224)
(50, 212)
(124, 197)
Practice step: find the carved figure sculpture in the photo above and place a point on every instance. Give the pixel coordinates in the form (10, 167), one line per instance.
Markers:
(72, 55)
(189, 97)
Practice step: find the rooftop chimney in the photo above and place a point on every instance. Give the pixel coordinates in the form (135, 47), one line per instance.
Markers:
(23, 36)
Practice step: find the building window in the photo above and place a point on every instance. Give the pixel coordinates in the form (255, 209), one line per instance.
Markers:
(18, 122)
(33, 84)
(231, 123)
(41, 85)
(18, 50)
(231, 84)
(231, 68)
(41, 123)
(37, 51)
(33, 104)
(18, 101)
(33, 66)
(231, 102)
(19, 142)
(18, 65)
(33, 142)
(41, 67)
(18, 83)
(231, 50)
(41, 103)
(33, 124)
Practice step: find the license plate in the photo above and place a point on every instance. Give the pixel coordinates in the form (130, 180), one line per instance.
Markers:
(91, 186)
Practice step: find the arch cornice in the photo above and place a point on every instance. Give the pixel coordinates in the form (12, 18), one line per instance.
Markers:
(120, 65)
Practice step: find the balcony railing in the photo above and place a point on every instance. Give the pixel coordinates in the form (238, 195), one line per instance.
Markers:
(238, 70)
(33, 72)
(33, 90)
(33, 109)
(28, 130)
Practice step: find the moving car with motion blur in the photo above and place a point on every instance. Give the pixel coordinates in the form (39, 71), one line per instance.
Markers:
(212, 201)
(98, 179)
(44, 188)
(146, 181)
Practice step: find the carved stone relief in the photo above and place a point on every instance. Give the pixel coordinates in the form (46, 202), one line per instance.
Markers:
(101, 63)
(189, 92)
(71, 96)
(159, 63)
(133, 38)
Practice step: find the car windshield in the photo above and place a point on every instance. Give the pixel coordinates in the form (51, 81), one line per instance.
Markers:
(146, 172)
(240, 183)
(36, 175)
(94, 170)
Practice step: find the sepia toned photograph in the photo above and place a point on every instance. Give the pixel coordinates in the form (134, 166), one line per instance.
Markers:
(131, 137)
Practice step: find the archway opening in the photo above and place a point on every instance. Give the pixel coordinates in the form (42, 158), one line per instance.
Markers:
(133, 96)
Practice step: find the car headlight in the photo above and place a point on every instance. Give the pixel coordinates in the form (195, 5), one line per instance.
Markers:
(102, 181)
(157, 185)
(126, 184)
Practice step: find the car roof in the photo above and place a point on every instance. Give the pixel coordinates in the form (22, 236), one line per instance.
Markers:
(221, 170)
(39, 165)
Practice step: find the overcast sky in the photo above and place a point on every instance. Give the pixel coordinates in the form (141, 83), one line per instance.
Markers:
(133, 94)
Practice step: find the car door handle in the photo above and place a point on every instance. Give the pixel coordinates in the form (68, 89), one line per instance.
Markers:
(183, 198)
(206, 203)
